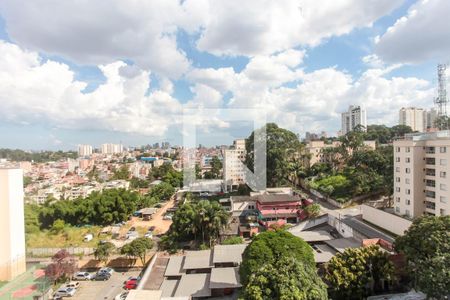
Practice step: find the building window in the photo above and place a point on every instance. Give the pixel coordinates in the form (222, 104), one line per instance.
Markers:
(431, 183)
(430, 150)
(408, 202)
(430, 161)
(430, 172)
(443, 162)
(398, 199)
(407, 159)
(408, 149)
(407, 180)
(408, 192)
(442, 212)
(443, 174)
(443, 149)
(443, 199)
(397, 159)
(408, 170)
(407, 213)
(430, 194)
(397, 169)
(397, 179)
(397, 189)
(397, 149)
(397, 209)
(443, 187)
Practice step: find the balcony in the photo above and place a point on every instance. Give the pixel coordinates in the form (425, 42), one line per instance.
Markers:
(430, 161)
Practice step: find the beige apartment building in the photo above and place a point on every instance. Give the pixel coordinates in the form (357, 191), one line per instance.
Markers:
(12, 224)
(422, 174)
(316, 154)
(233, 168)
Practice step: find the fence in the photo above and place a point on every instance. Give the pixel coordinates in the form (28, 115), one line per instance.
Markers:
(48, 252)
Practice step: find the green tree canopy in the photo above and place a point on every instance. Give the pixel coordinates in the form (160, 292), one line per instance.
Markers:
(285, 279)
(350, 273)
(269, 247)
(426, 245)
(137, 248)
(104, 251)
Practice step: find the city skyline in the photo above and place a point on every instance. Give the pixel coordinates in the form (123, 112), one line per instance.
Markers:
(64, 84)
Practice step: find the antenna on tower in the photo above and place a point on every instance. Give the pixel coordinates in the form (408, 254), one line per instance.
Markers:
(441, 99)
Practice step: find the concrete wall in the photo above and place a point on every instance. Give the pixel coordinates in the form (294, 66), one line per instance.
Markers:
(385, 220)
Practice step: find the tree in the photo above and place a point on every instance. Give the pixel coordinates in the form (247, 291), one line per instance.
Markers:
(137, 183)
(162, 191)
(123, 173)
(137, 249)
(426, 245)
(442, 123)
(104, 251)
(399, 131)
(313, 210)
(281, 146)
(350, 273)
(271, 246)
(62, 267)
(287, 278)
(234, 240)
(27, 180)
(216, 167)
(58, 226)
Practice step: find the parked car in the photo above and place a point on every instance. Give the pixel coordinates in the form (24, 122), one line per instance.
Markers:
(131, 235)
(64, 292)
(107, 270)
(121, 296)
(148, 235)
(73, 284)
(167, 217)
(131, 284)
(88, 237)
(152, 228)
(102, 276)
(83, 276)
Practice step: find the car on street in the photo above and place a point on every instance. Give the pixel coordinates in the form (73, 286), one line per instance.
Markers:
(131, 284)
(64, 292)
(122, 296)
(102, 276)
(107, 270)
(73, 284)
(83, 276)
(167, 217)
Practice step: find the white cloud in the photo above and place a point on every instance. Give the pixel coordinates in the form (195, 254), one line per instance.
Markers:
(423, 34)
(101, 32)
(46, 92)
(262, 27)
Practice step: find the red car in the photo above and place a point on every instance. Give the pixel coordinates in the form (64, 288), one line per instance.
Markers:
(131, 284)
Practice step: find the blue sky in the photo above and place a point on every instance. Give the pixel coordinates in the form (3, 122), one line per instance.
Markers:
(77, 73)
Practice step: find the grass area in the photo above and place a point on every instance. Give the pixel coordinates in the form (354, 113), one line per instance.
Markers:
(2, 283)
(69, 237)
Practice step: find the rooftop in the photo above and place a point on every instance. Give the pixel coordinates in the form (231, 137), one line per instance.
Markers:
(228, 253)
(223, 278)
(168, 287)
(443, 134)
(198, 260)
(341, 244)
(144, 295)
(268, 198)
(195, 285)
(314, 236)
(367, 230)
(175, 266)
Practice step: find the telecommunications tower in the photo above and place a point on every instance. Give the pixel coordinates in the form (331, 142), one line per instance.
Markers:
(441, 100)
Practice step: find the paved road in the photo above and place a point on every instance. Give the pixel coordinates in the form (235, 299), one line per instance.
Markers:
(103, 290)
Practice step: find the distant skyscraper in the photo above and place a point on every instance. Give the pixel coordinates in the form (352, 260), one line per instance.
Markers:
(84, 150)
(355, 116)
(413, 117)
(233, 170)
(12, 224)
(112, 148)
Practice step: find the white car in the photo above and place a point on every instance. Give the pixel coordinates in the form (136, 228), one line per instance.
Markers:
(149, 235)
(83, 276)
(73, 284)
(121, 296)
(109, 271)
(167, 217)
(64, 292)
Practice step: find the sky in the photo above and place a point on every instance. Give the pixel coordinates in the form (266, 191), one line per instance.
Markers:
(91, 72)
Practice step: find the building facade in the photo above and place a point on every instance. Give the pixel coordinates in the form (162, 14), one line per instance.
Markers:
(111, 148)
(84, 150)
(355, 116)
(422, 174)
(413, 117)
(233, 167)
(12, 224)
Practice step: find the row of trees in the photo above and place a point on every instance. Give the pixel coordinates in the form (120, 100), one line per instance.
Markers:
(40, 157)
(137, 248)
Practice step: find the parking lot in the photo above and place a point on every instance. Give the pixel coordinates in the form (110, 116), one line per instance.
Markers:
(103, 290)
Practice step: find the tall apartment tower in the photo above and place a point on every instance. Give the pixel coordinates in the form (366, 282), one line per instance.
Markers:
(111, 148)
(422, 174)
(430, 118)
(12, 224)
(413, 117)
(355, 116)
(84, 150)
(233, 169)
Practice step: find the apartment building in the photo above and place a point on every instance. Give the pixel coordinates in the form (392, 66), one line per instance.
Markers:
(355, 116)
(422, 174)
(111, 148)
(413, 117)
(12, 227)
(233, 168)
(84, 150)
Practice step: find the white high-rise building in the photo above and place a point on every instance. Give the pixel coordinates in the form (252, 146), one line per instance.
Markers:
(12, 224)
(84, 150)
(355, 116)
(233, 168)
(112, 148)
(422, 174)
(413, 117)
